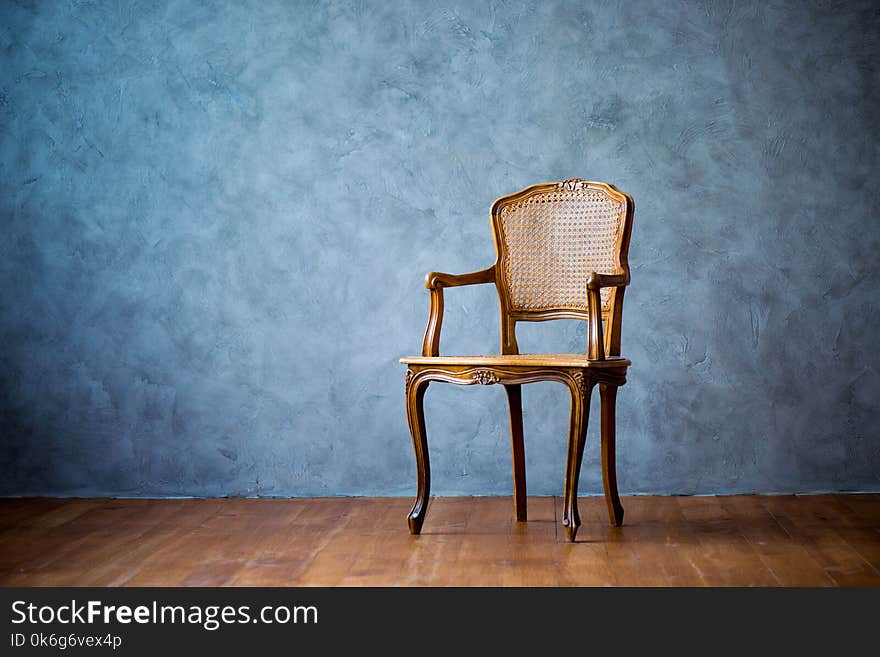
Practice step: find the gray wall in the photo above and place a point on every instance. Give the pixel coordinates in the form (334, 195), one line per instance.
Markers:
(217, 216)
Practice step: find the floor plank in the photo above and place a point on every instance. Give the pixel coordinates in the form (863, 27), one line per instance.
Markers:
(817, 525)
(791, 564)
(746, 540)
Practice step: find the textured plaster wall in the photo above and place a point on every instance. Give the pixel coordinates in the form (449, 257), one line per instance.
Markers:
(216, 217)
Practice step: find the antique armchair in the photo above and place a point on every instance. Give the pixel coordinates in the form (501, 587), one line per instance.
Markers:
(560, 253)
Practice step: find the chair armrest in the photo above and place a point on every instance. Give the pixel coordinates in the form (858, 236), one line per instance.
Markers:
(435, 282)
(595, 283)
(435, 279)
(598, 281)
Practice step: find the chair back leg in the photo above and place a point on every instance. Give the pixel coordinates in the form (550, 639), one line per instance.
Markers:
(608, 395)
(517, 448)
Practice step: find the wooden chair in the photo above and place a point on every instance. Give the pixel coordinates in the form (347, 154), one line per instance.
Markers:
(560, 253)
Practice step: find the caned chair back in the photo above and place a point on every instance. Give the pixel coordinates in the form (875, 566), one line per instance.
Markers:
(548, 239)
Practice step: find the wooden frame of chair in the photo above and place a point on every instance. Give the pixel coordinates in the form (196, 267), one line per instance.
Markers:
(602, 365)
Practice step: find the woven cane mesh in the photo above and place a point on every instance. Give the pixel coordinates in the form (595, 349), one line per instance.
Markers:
(552, 240)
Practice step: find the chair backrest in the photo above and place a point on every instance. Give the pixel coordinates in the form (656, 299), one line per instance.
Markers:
(548, 239)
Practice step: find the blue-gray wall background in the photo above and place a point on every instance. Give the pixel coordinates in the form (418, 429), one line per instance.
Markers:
(217, 215)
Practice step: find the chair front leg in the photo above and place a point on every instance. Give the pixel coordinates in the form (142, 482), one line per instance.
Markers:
(577, 433)
(415, 415)
(608, 395)
(514, 399)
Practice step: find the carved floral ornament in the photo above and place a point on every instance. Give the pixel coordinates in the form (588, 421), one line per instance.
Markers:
(485, 377)
(573, 184)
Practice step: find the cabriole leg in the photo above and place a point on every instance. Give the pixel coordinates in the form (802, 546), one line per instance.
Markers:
(580, 410)
(415, 415)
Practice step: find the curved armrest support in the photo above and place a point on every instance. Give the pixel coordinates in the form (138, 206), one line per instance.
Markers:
(435, 282)
(435, 279)
(595, 283)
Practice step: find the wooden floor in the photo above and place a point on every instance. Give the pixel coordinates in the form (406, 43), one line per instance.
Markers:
(815, 540)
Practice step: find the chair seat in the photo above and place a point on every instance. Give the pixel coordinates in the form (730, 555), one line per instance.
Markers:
(518, 360)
